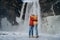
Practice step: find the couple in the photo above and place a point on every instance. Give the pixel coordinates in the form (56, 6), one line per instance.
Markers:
(33, 23)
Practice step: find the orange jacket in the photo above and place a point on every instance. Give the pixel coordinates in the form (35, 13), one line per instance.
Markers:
(32, 20)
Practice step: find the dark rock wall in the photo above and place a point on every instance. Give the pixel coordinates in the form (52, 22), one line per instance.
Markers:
(9, 9)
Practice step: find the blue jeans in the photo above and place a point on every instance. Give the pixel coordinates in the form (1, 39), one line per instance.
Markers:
(36, 30)
(31, 30)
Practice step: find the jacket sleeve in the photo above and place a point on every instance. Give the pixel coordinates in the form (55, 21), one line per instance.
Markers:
(35, 19)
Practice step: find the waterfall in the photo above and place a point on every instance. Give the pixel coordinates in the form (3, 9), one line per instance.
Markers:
(29, 0)
(32, 8)
(22, 10)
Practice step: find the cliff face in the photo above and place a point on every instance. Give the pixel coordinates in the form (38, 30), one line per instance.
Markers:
(56, 8)
(50, 6)
(9, 9)
(46, 5)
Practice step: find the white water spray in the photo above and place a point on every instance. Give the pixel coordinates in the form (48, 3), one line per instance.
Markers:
(29, 1)
(22, 10)
(32, 8)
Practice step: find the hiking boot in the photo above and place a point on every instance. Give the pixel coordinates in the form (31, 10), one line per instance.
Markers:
(37, 36)
(30, 36)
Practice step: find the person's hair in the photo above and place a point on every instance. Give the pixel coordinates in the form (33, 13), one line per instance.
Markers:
(33, 15)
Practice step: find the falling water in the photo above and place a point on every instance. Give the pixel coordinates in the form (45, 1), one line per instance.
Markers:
(22, 10)
(32, 8)
(29, 0)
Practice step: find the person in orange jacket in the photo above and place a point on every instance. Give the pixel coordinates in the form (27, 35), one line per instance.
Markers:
(33, 22)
